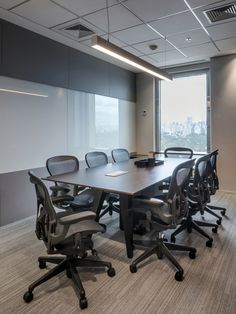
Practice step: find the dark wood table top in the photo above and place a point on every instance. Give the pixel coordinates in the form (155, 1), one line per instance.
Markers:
(134, 181)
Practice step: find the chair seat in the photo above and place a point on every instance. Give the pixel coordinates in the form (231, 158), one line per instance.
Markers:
(84, 199)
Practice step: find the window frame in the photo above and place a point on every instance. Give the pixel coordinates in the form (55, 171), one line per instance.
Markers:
(158, 105)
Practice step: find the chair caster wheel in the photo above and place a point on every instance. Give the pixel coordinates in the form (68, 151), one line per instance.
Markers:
(219, 221)
(42, 264)
(94, 252)
(192, 254)
(84, 255)
(214, 229)
(179, 276)
(111, 272)
(172, 239)
(133, 268)
(223, 212)
(83, 303)
(68, 274)
(209, 243)
(28, 296)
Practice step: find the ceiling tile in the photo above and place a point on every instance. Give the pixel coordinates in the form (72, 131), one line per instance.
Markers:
(162, 57)
(82, 7)
(176, 23)
(133, 50)
(227, 44)
(198, 3)
(223, 30)
(43, 12)
(150, 10)
(162, 45)
(136, 34)
(207, 49)
(119, 18)
(7, 4)
(184, 61)
(197, 36)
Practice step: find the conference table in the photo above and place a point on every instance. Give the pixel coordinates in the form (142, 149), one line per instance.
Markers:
(123, 178)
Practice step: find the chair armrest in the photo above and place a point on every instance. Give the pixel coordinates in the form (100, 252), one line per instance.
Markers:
(149, 201)
(74, 218)
(59, 188)
(62, 199)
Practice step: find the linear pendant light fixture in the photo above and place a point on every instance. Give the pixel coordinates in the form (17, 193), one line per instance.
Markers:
(123, 55)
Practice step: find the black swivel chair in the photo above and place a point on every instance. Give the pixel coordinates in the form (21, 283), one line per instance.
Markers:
(66, 235)
(164, 215)
(198, 196)
(214, 183)
(178, 152)
(81, 199)
(120, 154)
(183, 152)
(96, 159)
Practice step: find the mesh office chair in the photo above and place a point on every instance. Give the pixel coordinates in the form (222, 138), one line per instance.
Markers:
(183, 152)
(81, 199)
(198, 196)
(214, 183)
(178, 152)
(96, 159)
(66, 235)
(120, 154)
(164, 215)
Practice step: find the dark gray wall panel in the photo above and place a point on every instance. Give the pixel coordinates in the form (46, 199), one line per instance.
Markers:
(32, 57)
(29, 56)
(0, 45)
(124, 84)
(87, 73)
(17, 195)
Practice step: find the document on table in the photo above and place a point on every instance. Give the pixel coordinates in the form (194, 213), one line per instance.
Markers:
(116, 173)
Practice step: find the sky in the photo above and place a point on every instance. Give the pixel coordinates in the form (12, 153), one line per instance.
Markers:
(184, 97)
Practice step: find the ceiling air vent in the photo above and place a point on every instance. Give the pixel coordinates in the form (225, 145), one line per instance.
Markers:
(78, 31)
(221, 13)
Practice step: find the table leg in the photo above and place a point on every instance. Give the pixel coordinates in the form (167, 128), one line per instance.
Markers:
(99, 197)
(127, 223)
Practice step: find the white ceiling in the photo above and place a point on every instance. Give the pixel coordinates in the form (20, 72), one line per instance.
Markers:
(128, 26)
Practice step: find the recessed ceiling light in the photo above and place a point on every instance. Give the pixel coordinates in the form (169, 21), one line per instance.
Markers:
(153, 47)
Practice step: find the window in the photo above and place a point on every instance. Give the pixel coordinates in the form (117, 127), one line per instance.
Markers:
(106, 135)
(183, 113)
(98, 122)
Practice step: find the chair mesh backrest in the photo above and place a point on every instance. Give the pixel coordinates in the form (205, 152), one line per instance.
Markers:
(201, 169)
(213, 177)
(62, 164)
(95, 159)
(46, 215)
(178, 152)
(201, 178)
(120, 154)
(178, 189)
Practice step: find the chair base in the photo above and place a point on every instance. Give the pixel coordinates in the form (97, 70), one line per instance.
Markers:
(222, 209)
(68, 264)
(162, 248)
(191, 224)
(110, 208)
(210, 211)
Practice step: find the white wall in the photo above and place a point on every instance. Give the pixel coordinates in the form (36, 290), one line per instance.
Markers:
(145, 112)
(34, 128)
(31, 128)
(223, 96)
